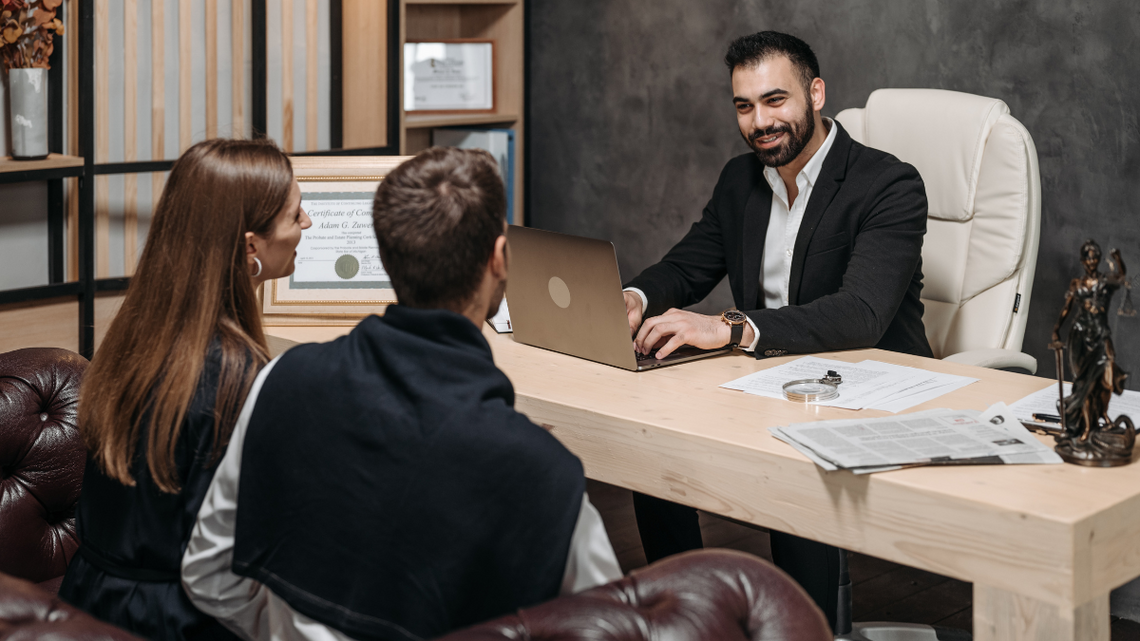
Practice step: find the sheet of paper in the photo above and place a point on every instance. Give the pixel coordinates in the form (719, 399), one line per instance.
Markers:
(860, 384)
(868, 384)
(501, 321)
(1045, 402)
(922, 386)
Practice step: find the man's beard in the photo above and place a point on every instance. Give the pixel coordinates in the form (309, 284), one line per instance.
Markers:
(497, 299)
(799, 133)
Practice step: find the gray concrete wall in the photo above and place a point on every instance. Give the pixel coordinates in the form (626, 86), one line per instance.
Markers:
(631, 119)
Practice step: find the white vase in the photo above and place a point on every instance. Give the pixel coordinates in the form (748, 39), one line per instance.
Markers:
(28, 93)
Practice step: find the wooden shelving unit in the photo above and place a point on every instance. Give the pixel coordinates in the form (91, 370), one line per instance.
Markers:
(501, 21)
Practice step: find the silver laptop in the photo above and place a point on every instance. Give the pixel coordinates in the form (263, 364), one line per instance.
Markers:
(565, 295)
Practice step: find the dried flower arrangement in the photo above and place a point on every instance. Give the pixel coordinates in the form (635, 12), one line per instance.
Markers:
(26, 31)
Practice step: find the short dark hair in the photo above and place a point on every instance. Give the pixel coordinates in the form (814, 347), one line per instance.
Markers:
(436, 218)
(749, 51)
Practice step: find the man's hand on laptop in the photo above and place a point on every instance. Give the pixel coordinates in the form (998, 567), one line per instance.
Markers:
(678, 327)
(633, 311)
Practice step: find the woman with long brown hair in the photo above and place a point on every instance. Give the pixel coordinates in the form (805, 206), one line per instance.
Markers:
(162, 394)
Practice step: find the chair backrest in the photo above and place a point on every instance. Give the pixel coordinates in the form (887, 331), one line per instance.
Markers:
(41, 461)
(984, 189)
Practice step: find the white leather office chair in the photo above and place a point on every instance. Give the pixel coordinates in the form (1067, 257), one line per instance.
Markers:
(983, 187)
(984, 190)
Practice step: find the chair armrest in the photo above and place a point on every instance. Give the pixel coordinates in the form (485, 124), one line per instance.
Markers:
(996, 358)
(28, 612)
(704, 594)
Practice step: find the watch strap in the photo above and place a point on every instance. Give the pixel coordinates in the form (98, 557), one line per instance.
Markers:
(737, 334)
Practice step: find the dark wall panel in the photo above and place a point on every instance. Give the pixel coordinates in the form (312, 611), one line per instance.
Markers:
(631, 119)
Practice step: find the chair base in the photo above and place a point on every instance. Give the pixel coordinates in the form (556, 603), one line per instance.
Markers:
(885, 631)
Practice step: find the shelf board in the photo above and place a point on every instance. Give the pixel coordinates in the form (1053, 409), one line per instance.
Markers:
(54, 166)
(463, 1)
(422, 121)
(53, 161)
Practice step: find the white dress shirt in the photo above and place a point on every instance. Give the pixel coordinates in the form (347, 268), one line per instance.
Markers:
(253, 611)
(783, 227)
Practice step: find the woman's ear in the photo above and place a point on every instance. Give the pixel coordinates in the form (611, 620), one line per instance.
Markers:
(251, 245)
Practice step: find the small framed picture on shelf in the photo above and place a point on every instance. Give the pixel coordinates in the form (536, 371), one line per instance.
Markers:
(338, 277)
(449, 76)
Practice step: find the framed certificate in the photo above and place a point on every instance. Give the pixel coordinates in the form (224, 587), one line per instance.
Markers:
(338, 278)
(449, 76)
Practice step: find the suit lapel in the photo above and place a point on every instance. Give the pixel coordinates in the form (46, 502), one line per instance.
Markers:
(756, 214)
(826, 186)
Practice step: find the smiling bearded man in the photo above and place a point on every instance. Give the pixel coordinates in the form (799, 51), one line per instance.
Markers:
(821, 240)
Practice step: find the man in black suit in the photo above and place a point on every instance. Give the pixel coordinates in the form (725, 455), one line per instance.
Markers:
(821, 240)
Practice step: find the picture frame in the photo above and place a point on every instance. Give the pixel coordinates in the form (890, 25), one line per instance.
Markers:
(449, 76)
(338, 278)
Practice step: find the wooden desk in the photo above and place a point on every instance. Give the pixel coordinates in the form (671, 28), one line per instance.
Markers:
(1043, 544)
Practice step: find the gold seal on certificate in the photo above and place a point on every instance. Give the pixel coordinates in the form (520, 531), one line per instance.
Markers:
(347, 266)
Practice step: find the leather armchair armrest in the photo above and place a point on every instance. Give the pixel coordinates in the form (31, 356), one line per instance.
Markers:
(704, 594)
(996, 358)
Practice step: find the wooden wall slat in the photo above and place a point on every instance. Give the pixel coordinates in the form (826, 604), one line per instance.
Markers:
(238, 64)
(365, 104)
(185, 69)
(211, 68)
(312, 73)
(157, 83)
(130, 133)
(102, 136)
(287, 75)
(157, 92)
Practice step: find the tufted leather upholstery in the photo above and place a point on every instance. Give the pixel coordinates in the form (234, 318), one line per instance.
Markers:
(696, 596)
(984, 189)
(27, 613)
(41, 461)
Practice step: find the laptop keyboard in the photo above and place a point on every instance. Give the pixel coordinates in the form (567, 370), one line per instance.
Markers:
(645, 357)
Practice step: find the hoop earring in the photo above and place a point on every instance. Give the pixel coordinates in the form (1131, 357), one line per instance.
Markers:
(258, 272)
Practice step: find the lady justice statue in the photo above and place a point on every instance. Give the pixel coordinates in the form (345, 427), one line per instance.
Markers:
(1089, 436)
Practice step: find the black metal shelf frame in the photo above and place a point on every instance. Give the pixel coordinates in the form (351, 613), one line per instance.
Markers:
(87, 286)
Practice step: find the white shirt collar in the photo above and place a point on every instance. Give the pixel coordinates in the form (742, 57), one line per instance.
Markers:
(811, 169)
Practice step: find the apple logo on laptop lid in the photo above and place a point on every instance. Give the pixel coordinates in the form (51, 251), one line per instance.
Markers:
(559, 292)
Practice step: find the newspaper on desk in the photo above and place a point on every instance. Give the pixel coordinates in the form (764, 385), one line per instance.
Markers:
(933, 437)
(868, 384)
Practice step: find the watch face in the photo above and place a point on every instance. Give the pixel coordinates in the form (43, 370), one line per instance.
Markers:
(734, 316)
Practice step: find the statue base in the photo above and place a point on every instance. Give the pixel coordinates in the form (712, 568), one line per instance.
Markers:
(1109, 446)
(1091, 459)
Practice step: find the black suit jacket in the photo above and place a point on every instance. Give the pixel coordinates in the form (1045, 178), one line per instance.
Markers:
(856, 267)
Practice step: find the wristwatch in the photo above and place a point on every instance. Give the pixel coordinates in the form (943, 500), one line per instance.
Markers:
(735, 319)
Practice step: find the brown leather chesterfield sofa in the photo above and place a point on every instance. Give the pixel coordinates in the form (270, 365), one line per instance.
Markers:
(713, 595)
(708, 595)
(41, 462)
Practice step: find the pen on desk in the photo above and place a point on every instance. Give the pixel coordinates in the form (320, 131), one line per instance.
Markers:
(1047, 418)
